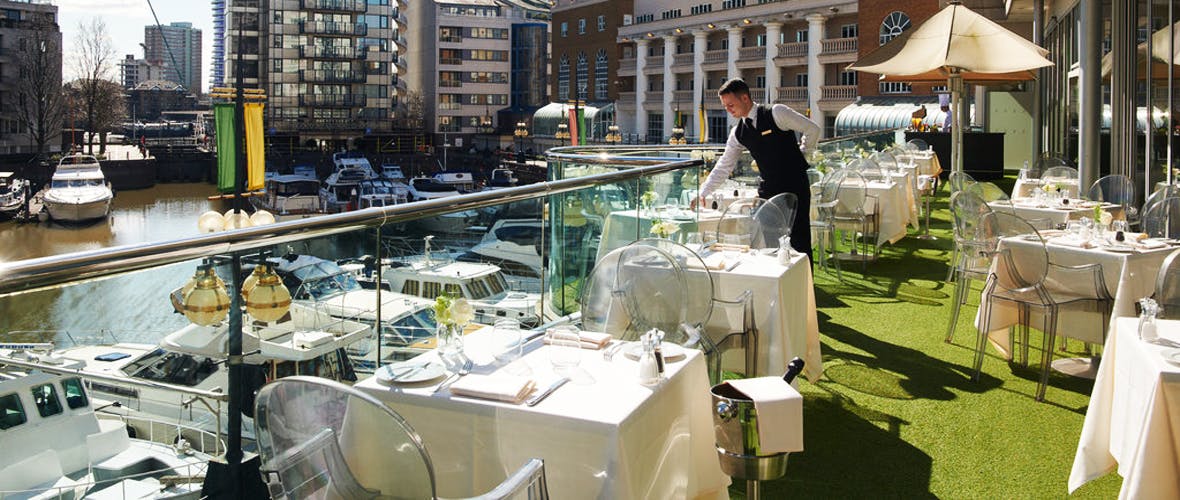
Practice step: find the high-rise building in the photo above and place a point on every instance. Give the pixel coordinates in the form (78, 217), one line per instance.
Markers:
(329, 67)
(217, 71)
(674, 58)
(177, 48)
(133, 72)
(28, 26)
(478, 64)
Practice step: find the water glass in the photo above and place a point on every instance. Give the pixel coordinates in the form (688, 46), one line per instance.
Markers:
(506, 340)
(784, 250)
(565, 347)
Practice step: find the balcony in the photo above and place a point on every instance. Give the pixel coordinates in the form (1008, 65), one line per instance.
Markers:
(682, 97)
(716, 56)
(626, 98)
(794, 50)
(682, 59)
(758, 95)
(838, 93)
(838, 50)
(331, 28)
(356, 6)
(627, 66)
(654, 98)
(331, 76)
(752, 54)
(321, 52)
(792, 94)
(654, 64)
(450, 39)
(333, 100)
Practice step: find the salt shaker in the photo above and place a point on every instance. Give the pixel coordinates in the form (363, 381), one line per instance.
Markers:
(1148, 311)
(649, 371)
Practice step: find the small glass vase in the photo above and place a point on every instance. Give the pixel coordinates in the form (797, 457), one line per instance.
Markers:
(450, 340)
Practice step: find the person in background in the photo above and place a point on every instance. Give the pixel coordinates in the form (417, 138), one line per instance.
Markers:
(772, 135)
(944, 103)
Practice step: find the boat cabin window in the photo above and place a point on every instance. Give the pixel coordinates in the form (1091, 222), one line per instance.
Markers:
(454, 290)
(478, 289)
(172, 368)
(75, 393)
(410, 287)
(12, 413)
(45, 397)
(334, 365)
(75, 183)
(431, 289)
(410, 328)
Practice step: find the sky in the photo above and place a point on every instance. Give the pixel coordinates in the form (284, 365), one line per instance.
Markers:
(125, 20)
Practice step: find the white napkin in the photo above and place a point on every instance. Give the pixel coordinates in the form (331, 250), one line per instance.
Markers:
(588, 340)
(780, 413)
(1070, 241)
(498, 387)
(1150, 244)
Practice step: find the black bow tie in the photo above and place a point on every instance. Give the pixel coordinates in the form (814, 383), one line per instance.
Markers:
(749, 122)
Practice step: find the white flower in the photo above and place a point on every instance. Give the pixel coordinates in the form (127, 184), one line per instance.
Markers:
(696, 154)
(648, 198)
(710, 156)
(461, 311)
(664, 229)
(1105, 219)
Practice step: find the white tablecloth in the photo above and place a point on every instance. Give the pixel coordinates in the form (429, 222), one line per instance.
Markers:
(893, 209)
(784, 311)
(907, 178)
(1128, 276)
(1028, 210)
(624, 226)
(609, 438)
(1134, 416)
(1024, 187)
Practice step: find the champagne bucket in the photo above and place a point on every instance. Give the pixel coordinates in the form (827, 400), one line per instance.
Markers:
(735, 424)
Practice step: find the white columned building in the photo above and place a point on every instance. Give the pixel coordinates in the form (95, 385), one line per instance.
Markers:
(640, 86)
(773, 73)
(669, 85)
(815, 70)
(700, 40)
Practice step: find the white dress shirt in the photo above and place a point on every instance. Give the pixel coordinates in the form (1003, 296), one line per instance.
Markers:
(785, 118)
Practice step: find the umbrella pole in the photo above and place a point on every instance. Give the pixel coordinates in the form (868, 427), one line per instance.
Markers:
(955, 82)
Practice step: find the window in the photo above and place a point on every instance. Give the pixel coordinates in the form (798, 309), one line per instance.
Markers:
(12, 413)
(582, 26)
(733, 4)
(645, 18)
(718, 129)
(453, 289)
(848, 31)
(893, 88)
(563, 79)
(760, 40)
(894, 24)
(45, 397)
(450, 34)
(565, 28)
(701, 9)
(601, 23)
(801, 80)
(583, 75)
(848, 77)
(600, 75)
(655, 127)
(760, 81)
(450, 56)
(75, 394)
(278, 41)
(410, 287)
(801, 36)
(670, 14)
(450, 101)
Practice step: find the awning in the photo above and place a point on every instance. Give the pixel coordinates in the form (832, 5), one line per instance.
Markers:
(870, 114)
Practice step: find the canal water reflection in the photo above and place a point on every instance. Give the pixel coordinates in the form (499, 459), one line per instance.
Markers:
(134, 307)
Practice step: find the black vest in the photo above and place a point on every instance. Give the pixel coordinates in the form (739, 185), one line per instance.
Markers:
(780, 162)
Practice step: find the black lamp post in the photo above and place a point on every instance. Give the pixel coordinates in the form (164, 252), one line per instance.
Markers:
(562, 134)
(521, 132)
(612, 135)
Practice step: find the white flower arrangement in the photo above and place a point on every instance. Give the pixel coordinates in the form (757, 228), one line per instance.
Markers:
(664, 229)
(1105, 219)
(648, 198)
(453, 311)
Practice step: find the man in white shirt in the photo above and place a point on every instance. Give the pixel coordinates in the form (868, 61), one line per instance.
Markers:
(772, 135)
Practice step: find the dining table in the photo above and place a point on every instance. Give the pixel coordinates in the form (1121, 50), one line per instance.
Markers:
(1026, 187)
(621, 227)
(892, 207)
(1132, 424)
(1128, 273)
(1054, 214)
(601, 435)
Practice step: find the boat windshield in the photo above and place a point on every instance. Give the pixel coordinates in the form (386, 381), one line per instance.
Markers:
(431, 186)
(75, 183)
(172, 367)
(410, 328)
(322, 280)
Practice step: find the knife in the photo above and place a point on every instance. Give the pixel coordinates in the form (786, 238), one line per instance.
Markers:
(548, 390)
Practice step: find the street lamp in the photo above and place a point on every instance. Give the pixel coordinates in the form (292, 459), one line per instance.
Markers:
(612, 135)
(677, 137)
(521, 132)
(562, 134)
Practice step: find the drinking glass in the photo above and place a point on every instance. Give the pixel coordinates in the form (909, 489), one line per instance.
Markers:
(784, 250)
(565, 347)
(506, 340)
(692, 239)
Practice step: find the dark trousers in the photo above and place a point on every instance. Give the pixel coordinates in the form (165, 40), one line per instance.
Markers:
(801, 228)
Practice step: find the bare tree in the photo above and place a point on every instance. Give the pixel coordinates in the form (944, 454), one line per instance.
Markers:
(94, 67)
(36, 100)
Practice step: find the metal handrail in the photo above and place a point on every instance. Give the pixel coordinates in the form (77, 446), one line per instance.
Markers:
(48, 272)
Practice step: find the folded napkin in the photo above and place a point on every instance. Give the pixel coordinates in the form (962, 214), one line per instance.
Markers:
(498, 387)
(780, 413)
(1070, 241)
(731, 247)
(589, 340)
(1150, 244)
(715, 261)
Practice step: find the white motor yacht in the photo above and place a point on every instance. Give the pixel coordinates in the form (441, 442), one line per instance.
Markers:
(341, 188)
(393, 173)
(483, 285)
(290, 196)
(463, 182)
(12, 194)
(57, 446)
(514, 245)
(78, 190)
(382, 193)
(425, 188)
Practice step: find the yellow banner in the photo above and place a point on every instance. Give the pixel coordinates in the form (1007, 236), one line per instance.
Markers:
(255, 146)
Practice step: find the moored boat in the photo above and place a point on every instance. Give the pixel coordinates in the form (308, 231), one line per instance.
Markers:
(78, 190)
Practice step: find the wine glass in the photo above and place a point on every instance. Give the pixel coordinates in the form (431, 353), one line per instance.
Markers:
(565, 348)
(506, 340)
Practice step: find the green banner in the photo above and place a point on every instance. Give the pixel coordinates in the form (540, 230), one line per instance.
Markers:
(223, 116)
(581, 125)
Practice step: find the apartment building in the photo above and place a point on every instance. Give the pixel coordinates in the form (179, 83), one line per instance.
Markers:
(177, 49)
(676, 55)
(479, 64)
(133, 72)
(586, 52)
(330, 67)
(24, 24)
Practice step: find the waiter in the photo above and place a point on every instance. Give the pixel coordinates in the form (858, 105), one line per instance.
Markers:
(772, 135)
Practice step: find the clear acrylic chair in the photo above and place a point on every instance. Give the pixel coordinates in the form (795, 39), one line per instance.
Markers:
(1119, 190)
(787, 205)
(926, 186)
(740, 222)
(885, 160)
(970, 258)
(319, 438)
(852, 214)
(1167, 287)
(635, 288)
(1024, 277)
(1162, 219)
(1157, 196)
(959, 181)
(701, 296)
(1060, 173)
(916, 145)
(1045, 163)
(821, 231)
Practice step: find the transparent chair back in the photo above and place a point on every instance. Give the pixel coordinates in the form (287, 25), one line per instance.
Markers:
(1117, 189)
(967, 210)
(737, 224)
(326, 440)
(846, 191)
(1167, 287)
(787, 204)
(916, 145)
(1162, 219)
(1159, 195)
(1045, 163)
(960, 181)
(770, 223)
(1060, 173)
(885, 160)
(993, 194)
(1033, 259)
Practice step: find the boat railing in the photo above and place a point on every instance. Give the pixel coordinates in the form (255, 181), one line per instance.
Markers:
(190, 473)
(167, 432)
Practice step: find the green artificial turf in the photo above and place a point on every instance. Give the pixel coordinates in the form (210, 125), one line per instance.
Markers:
(897, 415)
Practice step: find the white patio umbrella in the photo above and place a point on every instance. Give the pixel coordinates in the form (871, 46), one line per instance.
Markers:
(956, 45)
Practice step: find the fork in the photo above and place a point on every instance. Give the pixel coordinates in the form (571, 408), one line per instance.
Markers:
(463, 370)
